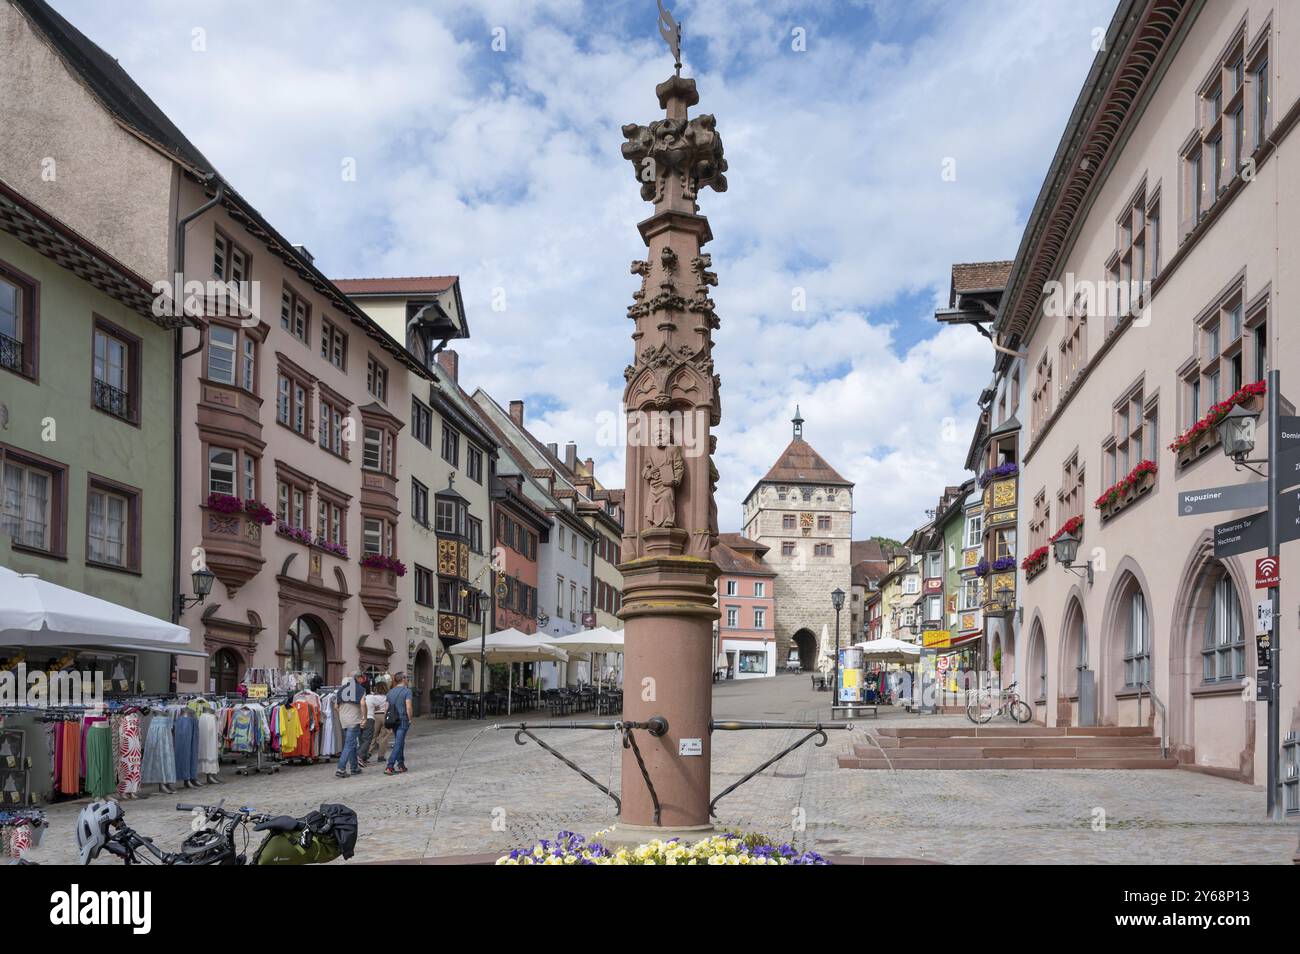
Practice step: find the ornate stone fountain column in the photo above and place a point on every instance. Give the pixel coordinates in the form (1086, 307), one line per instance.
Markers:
(670, 517)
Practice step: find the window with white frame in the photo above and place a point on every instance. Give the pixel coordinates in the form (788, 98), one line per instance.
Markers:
(222, 464)
(974, 535)
(1224, 652)
(1137, 641)
(108, 528)
(733, 617)
(27, 513)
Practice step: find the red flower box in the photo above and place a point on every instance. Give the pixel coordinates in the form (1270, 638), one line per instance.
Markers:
(1073, 525)
(1035, 561)
(1216, 414)
(1139, 479)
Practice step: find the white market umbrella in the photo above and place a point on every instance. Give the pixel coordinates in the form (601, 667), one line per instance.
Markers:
(590, 641)
(510, 646)
(826, 652)
(36, 612)
(889, 649)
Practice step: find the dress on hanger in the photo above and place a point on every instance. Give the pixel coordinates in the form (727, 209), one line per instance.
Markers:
(159, 763)
(129, 754)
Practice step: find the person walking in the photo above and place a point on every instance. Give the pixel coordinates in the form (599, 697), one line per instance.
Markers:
(400, 712)
(376, 704)
(351, 696)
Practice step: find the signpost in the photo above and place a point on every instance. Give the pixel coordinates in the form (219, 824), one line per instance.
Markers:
(1241, 536)
(1216, 499)
(1288, 516)
(1265, 530)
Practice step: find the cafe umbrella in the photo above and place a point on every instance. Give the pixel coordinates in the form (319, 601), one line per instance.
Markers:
(510, 646)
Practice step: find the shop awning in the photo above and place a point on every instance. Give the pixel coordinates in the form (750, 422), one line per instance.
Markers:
(36, 612)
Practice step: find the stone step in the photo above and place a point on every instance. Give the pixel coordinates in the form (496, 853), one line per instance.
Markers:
(994, 764)
(1026, 731)
(1005, 752)
(1028, 742)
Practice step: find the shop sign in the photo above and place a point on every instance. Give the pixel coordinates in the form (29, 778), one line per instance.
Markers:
(936, 639)
(258, 690)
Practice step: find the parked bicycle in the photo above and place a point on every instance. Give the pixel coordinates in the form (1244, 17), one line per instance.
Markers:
(1007, 702)
(315, 838)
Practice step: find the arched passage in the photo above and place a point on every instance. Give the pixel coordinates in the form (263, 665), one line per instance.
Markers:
(423, 678)
(807, 644)
(224, 671)
(306, 647)
(1035, 689)
(1073, 658)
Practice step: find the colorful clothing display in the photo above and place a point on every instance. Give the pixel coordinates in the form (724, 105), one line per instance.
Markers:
(158, 766)
(130, 751)
(100, 778)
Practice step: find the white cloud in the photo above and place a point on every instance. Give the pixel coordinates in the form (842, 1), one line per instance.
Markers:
(504, 168)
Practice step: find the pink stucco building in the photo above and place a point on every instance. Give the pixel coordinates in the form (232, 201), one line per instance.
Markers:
(747, 603)
(1178, 173)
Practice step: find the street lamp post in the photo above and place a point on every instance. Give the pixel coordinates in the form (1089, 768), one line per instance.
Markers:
(202, 583)
(837, 600)
(1067, 549)
(484, 607)
(1237, 436)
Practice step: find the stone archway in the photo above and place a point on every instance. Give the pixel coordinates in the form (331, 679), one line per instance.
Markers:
(225, 670)
(1128, 615)
(1035, 688)
(1210, 726)
(806, 643)
(1073, 656)
(307, 646)
(423, 681)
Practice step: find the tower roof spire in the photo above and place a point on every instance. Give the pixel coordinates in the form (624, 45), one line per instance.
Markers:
(797, 421)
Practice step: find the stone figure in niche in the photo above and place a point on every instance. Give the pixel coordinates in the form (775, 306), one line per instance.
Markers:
(663, 471)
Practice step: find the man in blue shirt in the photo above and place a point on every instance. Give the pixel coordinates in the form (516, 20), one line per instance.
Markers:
(400, 708)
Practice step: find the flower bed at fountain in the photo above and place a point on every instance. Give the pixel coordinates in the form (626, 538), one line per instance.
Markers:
(732, 848)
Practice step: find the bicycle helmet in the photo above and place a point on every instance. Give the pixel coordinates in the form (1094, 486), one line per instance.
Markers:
(92, 828)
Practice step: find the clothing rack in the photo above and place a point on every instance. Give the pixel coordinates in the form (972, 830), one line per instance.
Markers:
(33, 819)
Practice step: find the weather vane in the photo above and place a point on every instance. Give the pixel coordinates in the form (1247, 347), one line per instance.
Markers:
(671, 31)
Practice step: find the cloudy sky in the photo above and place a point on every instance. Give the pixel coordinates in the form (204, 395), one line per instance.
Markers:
(485, 138)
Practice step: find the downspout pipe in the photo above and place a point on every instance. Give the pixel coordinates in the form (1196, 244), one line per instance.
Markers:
(178, 291)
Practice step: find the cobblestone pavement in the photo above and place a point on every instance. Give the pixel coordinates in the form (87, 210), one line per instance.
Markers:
(471, 789)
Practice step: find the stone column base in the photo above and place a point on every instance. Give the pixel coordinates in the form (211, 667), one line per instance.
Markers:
(625, 836)
(668, 607)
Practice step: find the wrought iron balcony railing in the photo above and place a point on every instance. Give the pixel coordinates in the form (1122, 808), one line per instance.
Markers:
(11, 353)
(113, 400)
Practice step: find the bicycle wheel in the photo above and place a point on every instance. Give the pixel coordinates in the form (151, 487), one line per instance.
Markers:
(1020, 711)
(979, 712)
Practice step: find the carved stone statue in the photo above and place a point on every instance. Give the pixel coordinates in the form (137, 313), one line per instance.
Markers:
(663, 471)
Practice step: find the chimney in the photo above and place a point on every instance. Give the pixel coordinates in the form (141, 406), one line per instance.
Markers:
(517, 413)
(591, 467)
(450, 362)
(553, 450)
(571, 456)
